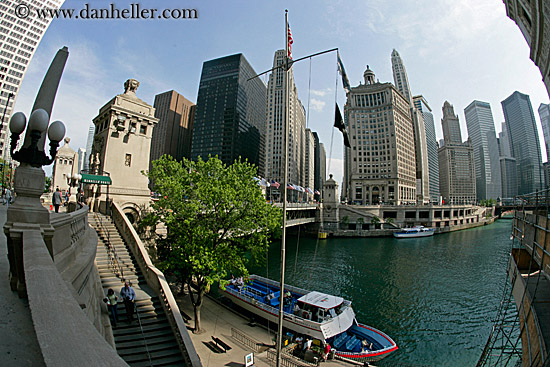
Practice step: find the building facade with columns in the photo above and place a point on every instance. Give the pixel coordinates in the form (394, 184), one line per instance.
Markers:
(380, 166)
(533, 19)
(122, 141)
(63, 167)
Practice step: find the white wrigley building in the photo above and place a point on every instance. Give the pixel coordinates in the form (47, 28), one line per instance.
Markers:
(381, 163)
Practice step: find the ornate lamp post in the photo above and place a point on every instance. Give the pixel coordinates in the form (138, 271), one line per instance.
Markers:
(27, 212)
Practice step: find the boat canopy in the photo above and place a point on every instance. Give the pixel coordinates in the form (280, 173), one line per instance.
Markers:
(321, 300)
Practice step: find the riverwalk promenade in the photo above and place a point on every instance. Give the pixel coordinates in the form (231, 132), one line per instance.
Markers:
(218, 320)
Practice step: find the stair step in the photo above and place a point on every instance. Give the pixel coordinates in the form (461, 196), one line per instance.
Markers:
(159, 362)
(154, 355)
(122, 346)
(150, 335)
(140, 348)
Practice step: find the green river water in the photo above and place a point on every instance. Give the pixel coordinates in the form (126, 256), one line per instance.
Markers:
(436, 296)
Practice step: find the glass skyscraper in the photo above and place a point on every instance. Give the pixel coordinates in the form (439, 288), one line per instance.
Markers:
(481, 130)
(431, 144)
(230, 114)
(524, 141)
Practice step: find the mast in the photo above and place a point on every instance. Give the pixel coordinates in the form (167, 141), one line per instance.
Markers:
(286, 102)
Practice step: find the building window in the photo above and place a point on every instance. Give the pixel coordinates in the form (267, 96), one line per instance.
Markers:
(143, 129)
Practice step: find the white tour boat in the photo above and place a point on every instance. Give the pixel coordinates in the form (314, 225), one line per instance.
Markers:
(321, 316)
(417, 231)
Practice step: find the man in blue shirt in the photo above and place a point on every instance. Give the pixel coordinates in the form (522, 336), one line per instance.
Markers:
(128, 296)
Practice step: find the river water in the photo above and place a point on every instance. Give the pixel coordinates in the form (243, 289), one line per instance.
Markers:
(436, 297)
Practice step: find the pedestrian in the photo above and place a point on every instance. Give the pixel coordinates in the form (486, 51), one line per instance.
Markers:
(128, 296)
(80, 197)
(112, 302)
(56, 199)
(9, 197)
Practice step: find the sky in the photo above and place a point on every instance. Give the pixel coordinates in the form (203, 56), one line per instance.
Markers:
(456, 51)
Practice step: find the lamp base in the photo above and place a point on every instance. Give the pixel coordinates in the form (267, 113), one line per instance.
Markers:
(29, 186)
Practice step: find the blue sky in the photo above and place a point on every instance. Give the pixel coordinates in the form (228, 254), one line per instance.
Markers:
(453, 50)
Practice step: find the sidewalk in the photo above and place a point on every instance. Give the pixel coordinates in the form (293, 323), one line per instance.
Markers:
(218, 320)
(18, 344)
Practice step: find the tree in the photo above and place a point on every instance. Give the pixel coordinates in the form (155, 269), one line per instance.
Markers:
(217, 221)
(344, 222)
(359, 223)
(374, 221)
(47, 184)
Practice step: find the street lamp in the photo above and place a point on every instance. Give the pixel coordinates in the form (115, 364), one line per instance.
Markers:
(38, 124)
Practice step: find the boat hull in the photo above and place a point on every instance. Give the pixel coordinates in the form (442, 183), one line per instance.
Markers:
(413, 235)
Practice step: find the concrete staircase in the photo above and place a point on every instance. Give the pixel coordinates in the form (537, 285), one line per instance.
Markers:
(152, 344)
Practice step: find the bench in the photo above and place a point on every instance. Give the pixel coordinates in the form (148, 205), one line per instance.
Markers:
(220, 343)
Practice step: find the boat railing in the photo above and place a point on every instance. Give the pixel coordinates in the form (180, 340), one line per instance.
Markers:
(259, 302)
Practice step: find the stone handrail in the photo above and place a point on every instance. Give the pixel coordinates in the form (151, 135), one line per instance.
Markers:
(63, 331)
(157, 281)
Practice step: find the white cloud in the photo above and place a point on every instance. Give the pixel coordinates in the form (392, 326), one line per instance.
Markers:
(316, 105)
(321, 92)
(335, 166)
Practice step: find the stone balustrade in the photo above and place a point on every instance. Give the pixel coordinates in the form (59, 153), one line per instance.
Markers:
(156, 280)
(63, 331)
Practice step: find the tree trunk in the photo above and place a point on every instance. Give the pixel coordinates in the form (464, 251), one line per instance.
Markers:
(197, 303)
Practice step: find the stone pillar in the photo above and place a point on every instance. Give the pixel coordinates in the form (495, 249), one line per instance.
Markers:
(26, 211)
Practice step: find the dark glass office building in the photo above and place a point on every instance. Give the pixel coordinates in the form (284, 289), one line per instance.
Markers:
(230, 114)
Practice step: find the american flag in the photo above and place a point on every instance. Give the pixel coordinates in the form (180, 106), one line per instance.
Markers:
(275, 184)
(290, 42)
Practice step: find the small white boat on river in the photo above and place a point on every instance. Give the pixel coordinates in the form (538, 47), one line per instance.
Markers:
(417, 231)
(322, 316)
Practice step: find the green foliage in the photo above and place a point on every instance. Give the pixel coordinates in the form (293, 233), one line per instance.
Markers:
(217, 221)
(375, 220)
(389, 220)
(48, 184)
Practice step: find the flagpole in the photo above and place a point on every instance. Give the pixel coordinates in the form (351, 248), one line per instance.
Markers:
(284, 184)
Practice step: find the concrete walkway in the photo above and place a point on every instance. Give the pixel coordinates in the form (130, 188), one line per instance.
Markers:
(18, 344)
(218, 320)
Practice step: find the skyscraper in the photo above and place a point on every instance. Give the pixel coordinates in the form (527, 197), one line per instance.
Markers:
(508, 165)
(19, 41)
(296, 127)
(431, 146)
(400, 77)
(544, 114)
(309, 162)
(380, 165)
(481, 130)
(230, 114)
(320, 163)
(456, 162)
(172, 135)
(533, 19)
(450, 125)
(524, 141)
(421, 150)
(89, 144)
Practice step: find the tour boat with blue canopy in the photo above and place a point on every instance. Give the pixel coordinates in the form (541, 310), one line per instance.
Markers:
(321, 316)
